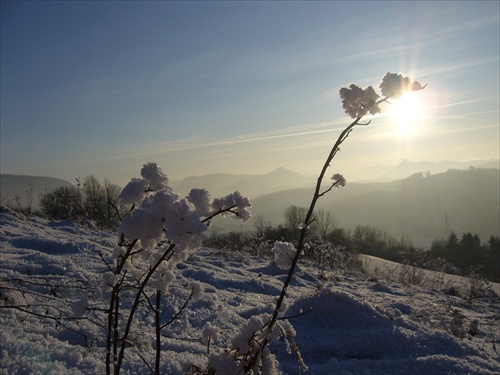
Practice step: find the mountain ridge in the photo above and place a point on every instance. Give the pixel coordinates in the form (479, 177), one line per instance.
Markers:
(423, 207)
(255, 185)
(252, 185)
(406, 168)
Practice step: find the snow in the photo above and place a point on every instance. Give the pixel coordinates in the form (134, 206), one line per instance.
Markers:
(283, 253)
(353, 323)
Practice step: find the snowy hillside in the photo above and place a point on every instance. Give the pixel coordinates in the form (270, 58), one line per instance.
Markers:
(351, 324)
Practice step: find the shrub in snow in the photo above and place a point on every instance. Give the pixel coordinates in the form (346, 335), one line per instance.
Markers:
(246, 354)
(62, 203)
(477, 285)
(94, 201)
(330, 257)
(160, 231)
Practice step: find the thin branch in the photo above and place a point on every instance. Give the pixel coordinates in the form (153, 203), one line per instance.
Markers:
(124, 258)
(295, 316)
(219, 212)
(334, 184)
(180, 311)
(116, 208)
(105, 262)
(56, 319)
(300, 246)
(136, 303)
(143, 359)
(365, 123)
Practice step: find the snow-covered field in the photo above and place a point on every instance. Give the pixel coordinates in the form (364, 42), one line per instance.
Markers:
(351, 324)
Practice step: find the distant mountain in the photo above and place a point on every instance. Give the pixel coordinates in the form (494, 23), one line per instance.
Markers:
(493, 163)
(407, 168)
(422, 207)
(17, 189)
(249, 185)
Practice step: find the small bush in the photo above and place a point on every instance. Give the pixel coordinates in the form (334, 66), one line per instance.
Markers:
(63, 203)
(93, 201)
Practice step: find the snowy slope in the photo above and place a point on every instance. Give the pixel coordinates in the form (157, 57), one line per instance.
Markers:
(352, 324)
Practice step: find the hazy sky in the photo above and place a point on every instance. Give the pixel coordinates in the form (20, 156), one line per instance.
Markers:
(239, 87)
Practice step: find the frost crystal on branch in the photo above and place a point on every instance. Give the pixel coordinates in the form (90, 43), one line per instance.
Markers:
(338, 180)
(394, 85)
(283, 254)
(160, 214)
(200, 198)
(242, 341)
(358, 102)
(417, 86)
(197, 290)
(210, 333)
(240, 203)
(108, 281)
(153, 173)
(134, 191)
(163, 280)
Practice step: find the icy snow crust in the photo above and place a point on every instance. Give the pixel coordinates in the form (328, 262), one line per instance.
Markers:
(351, 325)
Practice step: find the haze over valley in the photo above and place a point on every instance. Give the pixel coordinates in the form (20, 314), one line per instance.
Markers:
(424, 201)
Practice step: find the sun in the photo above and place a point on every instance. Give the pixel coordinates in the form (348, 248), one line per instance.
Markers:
(406, 112)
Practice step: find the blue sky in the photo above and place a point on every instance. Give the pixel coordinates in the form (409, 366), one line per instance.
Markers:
(238, 87)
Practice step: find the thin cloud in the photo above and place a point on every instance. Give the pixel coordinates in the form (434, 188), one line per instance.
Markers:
(193, 144)
(456, 68)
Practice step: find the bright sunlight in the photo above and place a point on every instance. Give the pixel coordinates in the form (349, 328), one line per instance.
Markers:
(406, 112)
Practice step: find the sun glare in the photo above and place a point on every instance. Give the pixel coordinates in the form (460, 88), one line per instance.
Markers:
(406, 112)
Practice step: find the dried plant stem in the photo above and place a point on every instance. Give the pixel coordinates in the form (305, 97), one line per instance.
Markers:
(138, 295)
(317, 194)
(308, 220)
(157, 332)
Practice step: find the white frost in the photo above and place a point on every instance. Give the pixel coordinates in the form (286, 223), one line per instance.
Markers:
(283, 254)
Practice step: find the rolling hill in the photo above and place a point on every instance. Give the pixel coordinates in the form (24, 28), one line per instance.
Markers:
(248, 185)
(422, 207)
(14, 188)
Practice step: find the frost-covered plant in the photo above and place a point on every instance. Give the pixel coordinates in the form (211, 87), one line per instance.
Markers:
(411, 269)
(357, 103)
(331, 257)
(283, 254)
(246, 355)
(160, 231)
(476, 285)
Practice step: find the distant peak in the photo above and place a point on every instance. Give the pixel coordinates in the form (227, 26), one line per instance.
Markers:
(281, 171)
(406, 162)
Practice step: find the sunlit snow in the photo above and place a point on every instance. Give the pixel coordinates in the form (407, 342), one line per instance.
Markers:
(351, 324)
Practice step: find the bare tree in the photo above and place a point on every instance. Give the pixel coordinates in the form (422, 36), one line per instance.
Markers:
(325, 223)
(261, 225)
(294, 216)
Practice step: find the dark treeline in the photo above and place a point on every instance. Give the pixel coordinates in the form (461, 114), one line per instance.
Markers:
(469, 252)
(454, 255)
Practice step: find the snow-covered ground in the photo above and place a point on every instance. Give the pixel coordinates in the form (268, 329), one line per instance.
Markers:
(360, 323)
